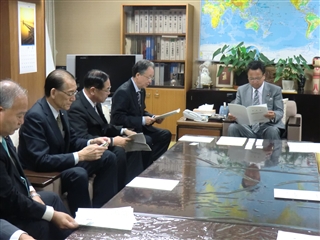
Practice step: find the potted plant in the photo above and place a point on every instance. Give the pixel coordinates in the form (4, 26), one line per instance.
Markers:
(289, 70)
(237, 58)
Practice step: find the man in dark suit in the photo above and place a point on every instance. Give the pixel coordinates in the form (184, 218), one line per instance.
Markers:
(88, 121)
(47, 143)
(42, 214)
(128, 109)
(9, 231)
(264, 93)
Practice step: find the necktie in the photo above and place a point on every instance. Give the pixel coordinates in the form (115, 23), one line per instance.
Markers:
(23, 180)
(139, 98)
(60, 125)
(256, 101)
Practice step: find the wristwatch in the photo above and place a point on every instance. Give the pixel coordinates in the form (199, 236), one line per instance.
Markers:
(32, 195)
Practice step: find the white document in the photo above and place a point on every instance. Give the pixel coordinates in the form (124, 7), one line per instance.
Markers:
(250, 143)
(231, 141)
(282, 235)
(137, 143)
(190, 138)
(297, 194)
(304, 147)
(153, 183)
(116, 218)
(168, 114)
(249, 115)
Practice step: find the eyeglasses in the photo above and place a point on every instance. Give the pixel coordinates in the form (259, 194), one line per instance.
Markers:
(257, 78)
(107, 91)
(149, 78)
(69, 94)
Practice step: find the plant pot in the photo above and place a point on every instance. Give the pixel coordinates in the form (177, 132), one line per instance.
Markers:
(287, 85)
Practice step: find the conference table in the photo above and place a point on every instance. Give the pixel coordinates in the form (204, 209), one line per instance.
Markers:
(224, 192)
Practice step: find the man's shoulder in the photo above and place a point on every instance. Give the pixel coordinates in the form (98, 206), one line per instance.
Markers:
(125, 87)
(36, 110)
(273, 87)
(243, 87)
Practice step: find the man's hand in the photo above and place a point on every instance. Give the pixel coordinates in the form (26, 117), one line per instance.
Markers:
(25, 236)
(160, 120)
(100, 140)
(270, 115)
(129, 132)
(120, 141)
(231, 117)
(91, 152)
(63, 220)
(149, 120)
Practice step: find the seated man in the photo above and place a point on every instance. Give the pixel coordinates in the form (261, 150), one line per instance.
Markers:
(259, 92)
(88, 121)
(47, 143)
(42, 214)
(128, 110)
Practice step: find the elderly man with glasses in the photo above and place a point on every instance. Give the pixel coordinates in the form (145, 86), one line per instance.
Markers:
(129, 110)
(47, 143)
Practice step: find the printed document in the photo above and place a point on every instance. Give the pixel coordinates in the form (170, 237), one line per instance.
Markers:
(153, 183)
(137, 143)
(249, 115)
(168, 114)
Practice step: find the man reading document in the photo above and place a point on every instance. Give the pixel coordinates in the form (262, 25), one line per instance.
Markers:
(258, 92)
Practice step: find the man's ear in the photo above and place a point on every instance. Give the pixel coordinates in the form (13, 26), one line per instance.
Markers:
(53, 92)
(1, 109)
(92, 90)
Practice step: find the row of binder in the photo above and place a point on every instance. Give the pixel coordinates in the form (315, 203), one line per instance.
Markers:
(156, 21)
(164, 73)
(156, 47)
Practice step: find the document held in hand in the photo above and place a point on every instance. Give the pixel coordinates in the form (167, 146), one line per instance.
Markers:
(168, 114)
(137, 143)
(249, 115)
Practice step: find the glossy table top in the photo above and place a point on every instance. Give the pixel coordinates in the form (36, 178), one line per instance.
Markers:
(229, 185)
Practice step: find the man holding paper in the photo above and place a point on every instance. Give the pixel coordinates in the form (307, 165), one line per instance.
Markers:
(128, 110)
(258, 92)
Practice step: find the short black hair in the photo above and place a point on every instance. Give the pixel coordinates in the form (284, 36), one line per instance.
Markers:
(141, 66)
(95, 78)
(55, 79)
(256, 64)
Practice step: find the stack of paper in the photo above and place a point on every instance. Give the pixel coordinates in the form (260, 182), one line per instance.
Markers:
(137, 143)
(116, 218)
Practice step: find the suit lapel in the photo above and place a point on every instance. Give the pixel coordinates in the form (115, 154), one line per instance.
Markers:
(266, 94)
(135, 98)
(53, 123)
(99, 108)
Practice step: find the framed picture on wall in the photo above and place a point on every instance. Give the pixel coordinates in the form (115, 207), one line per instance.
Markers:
(226, 77)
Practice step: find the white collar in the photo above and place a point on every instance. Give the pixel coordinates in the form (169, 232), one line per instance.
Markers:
(135, 86)
(89, 100)
(260, 89)
(54, 111)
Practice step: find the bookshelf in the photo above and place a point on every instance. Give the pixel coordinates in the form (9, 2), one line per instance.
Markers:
(163, 34)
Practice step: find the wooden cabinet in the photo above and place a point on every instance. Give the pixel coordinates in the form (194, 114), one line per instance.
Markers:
(163, 34)
(166, 100)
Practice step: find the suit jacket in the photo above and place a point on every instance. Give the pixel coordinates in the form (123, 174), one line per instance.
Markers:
(7, 229)
(271, 96)
(87, 123)
(14, 194)
(41, 145)
(125, 109)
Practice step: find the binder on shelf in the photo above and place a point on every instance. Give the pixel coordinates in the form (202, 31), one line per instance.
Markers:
(151, 19)
(155, 21)
(141, 21)
(170, 21)
(163, 47)
(179, 20)
(165, 21)
(177, 49)
(184, 21)
(161, 74)
(146, 21)
(136, 21)
(152, 48)
(157, 74)
(174, 21)
(158, 48)
(130, 22)
(182, 48)
(160, 21)
(166, 49)
(128, 45)
(172, 49)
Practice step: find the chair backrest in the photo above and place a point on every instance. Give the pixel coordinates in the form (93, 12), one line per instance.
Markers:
(289, 109)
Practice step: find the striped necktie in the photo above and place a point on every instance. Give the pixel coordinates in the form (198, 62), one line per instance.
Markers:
(256, 101)
(139, 98)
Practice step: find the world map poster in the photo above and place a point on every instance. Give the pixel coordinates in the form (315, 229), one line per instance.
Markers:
(277, 28)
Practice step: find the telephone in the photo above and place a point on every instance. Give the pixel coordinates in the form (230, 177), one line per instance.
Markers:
(194, 116)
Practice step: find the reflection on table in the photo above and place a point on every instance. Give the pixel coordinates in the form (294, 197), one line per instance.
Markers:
(229, 185)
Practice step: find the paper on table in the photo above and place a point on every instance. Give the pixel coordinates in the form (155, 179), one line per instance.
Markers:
(167, 114)
(137, 143)
(206, 107)
(190, 138)
(282, 235)
(116, 218)
(304, 147)
(153, 183)
(231, 141)
(297, 194)
(250, 143)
